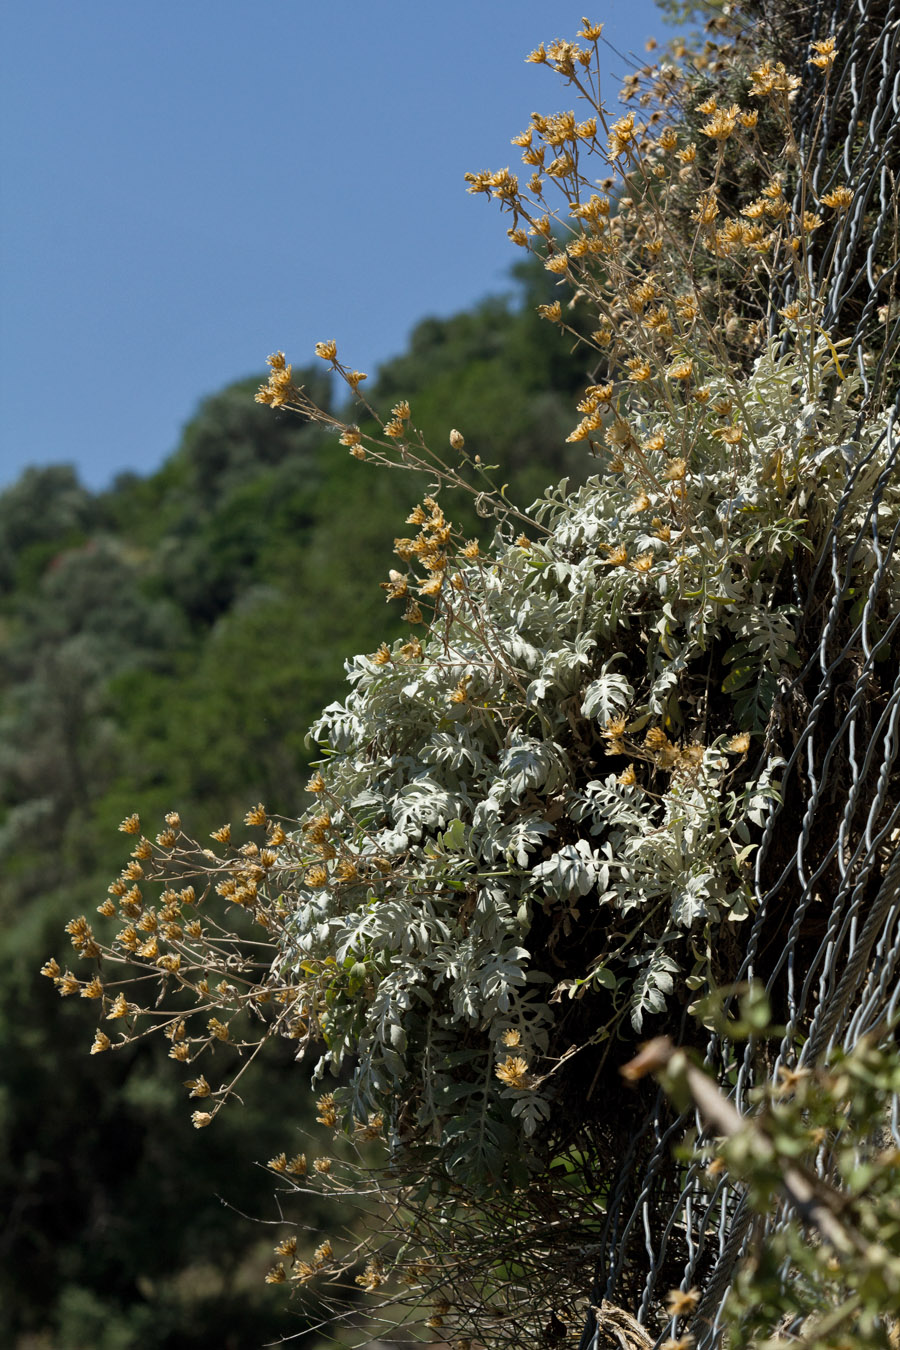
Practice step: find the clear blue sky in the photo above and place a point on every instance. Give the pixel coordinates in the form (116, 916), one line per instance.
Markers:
(188, 185)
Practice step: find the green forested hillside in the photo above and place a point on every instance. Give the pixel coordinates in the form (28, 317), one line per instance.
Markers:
(165, 645)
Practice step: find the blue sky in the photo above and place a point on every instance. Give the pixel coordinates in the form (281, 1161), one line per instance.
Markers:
(188, 185)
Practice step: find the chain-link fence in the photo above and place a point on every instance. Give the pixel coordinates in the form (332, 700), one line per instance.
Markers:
(825, 934)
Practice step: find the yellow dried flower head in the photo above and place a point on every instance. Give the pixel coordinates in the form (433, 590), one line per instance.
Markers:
(675, 470)
(93, 988)
(101, 1043)
(218, 1030)
(628, 777)
(679, 1302)
(682, 369)
(127, 938)
(279, 1163)
(118, 1007)
(513, 1071)
(355, 378)
(460, 693)
(322, 1165)
(396, 586)
(557, 263)
(738, 745)
(412, 650)
(326, 1111)
(826, 51)
(371, 1278)
(297, 1165)
(432, 586)
(707, 208)
(383, 655)
(512, 1038)
(276, 361)
(323, 1253)
(838, 199)
(590, 31)
(327, 350)
(222, 835)
(691, 756)
(762, 79)
(730, 435)
(131, 825)
(721, 126)
(621, 136)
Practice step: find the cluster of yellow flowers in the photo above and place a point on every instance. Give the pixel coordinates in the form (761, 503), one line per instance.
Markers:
(169, 939)
(682, 761)
(429, 550)
(278, 388)
(298, 1271)
(655, 296)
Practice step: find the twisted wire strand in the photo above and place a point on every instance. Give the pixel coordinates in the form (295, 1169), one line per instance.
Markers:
(841, 878)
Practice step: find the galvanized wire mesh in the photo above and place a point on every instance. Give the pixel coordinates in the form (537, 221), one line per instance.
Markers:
(825, 936)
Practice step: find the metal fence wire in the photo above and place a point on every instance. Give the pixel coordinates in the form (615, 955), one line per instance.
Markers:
(825, 935)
